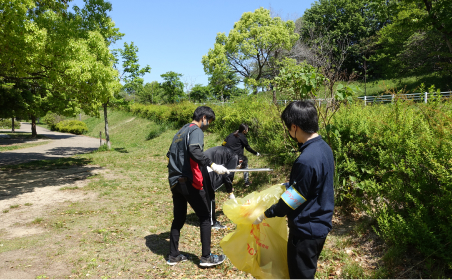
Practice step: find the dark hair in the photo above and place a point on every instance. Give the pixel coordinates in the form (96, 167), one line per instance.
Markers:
(202, 111)
(303, 114)
(243, 127)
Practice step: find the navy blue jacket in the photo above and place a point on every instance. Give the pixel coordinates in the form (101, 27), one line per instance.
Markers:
(311, 177)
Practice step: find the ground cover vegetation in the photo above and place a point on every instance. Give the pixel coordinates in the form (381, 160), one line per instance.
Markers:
(7, 123)
(123, 231)
(392, 161)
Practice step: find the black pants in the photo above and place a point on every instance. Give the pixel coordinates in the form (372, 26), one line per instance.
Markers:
(199, 201)
(302, 256)
(246, 175)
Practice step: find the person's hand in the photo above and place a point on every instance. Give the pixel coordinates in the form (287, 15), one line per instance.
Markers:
(258, 154)
(259, 219)
(219, 169)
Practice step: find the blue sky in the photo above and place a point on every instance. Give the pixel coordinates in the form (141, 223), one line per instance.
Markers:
(174, 35)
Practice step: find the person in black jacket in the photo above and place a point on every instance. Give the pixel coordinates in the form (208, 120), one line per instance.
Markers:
(237, 141)
(222, 156)
(187, 166)
(308, 201)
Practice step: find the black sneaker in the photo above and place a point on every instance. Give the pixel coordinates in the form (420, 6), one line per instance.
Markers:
(212, 260)
(217, 225)
(247, 184)
(176, 260)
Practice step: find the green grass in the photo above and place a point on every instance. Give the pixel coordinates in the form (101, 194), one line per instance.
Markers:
(406, 84)
(126, 228)
(388, 86)
(124, 231)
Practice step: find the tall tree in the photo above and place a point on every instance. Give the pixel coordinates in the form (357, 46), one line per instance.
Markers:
(151, 93)
(173, 88)
(249, 46)
(417, 41)
(200, 93)
(48, 55)
(343, 24)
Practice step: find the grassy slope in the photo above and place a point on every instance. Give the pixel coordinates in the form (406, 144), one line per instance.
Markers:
(383, 86)
(124, 232)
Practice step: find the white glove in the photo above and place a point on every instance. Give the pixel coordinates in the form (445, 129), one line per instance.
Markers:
(258, 154)
(219, 169)
(231, 196)
(259, 219)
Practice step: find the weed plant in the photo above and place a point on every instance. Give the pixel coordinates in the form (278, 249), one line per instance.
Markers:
(394, 162)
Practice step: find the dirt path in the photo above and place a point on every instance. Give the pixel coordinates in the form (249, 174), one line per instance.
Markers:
(33, 192)
(62, 145)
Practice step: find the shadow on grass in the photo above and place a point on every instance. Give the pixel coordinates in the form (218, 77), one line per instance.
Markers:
(49, 164)
(121, 150)
(29, 177)
(159, 245)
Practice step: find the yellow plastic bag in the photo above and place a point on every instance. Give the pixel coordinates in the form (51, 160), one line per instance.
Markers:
(258, 249)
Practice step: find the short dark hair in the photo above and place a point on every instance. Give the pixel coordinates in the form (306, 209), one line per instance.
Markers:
(303, 114)
(202, 111)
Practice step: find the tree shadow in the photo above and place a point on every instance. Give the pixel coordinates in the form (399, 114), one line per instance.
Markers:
(121, 150)
(159, 245)
(25, 178)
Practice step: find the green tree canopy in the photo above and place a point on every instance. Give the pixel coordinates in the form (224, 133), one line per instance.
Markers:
(173, 88)
(131, 72)
(418, 39)
(151, 93)
(339, 30)
(247, 50)
(48, 54)
(200, 93)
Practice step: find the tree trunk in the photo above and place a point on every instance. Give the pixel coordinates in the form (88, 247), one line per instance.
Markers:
(107, 135)
(34, 134)
(12, 126)
(449, 45)
(274, 98)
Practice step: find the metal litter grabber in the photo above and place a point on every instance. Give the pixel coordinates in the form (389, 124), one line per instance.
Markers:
(250, 170)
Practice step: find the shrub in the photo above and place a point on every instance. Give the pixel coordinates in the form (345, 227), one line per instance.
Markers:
(262, 117)
(51, 119)
(7, 123)
(75, 127)
(394, 161)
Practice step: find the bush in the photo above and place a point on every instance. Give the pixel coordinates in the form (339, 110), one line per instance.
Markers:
(75, 127)
(266, 129)
(394, 161)
(7, 123)
(51, 119)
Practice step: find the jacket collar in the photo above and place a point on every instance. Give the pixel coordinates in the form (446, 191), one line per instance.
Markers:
(309, 142)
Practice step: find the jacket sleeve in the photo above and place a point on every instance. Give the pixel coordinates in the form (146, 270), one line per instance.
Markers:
(246, 145)
(198, 156)
(279, 209)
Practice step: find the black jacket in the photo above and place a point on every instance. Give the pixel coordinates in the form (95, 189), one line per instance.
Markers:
(186, 157)
(312, 178)
(236, 144)
(226, 157)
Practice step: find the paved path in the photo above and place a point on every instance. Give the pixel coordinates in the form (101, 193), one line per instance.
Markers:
(61, 145)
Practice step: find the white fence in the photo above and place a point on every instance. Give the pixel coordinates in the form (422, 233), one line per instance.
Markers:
(409, 96)
(423, 97)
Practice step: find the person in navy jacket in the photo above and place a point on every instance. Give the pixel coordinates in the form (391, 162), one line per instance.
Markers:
(308, 201)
